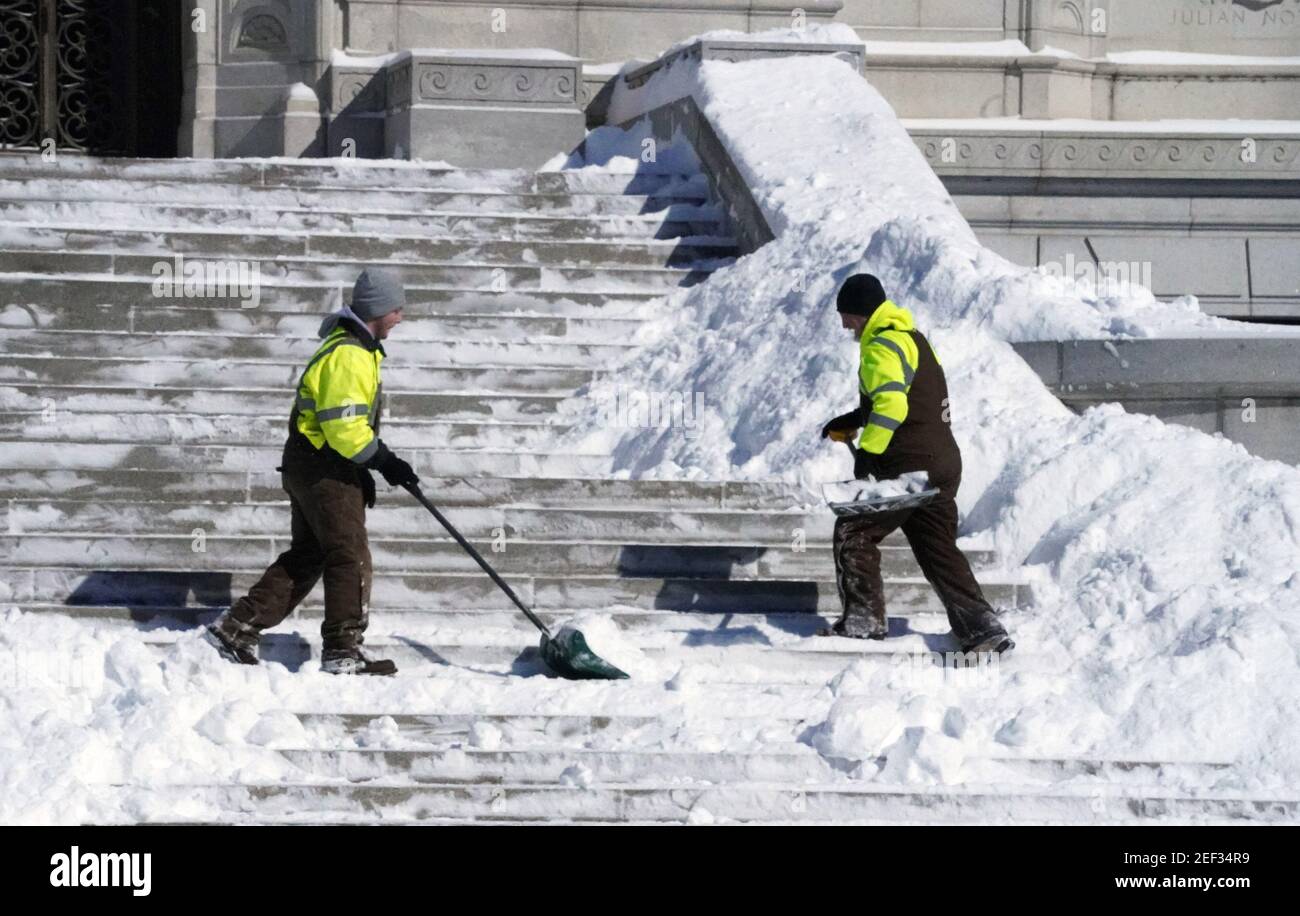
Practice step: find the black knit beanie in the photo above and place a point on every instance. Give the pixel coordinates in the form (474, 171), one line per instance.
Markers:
(861, 294)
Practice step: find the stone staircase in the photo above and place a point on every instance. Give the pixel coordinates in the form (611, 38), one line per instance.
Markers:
(134, 426)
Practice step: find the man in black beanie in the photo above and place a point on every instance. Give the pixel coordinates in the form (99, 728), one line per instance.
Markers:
(333, 444)
(903, 415)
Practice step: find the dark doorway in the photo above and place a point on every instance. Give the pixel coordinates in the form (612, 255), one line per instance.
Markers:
(93, 76)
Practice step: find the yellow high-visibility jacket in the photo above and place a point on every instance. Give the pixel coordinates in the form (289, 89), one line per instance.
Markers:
(338, 396)
(889, 360)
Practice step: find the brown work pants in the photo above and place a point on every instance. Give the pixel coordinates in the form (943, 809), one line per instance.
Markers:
(931, 530)
(328, 531)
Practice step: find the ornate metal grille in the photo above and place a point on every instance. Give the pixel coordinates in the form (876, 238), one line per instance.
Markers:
(66, 74)
(20, 73)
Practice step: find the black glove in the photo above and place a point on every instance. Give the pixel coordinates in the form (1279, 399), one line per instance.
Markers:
(843, 423)
(396, 471)
(368, 488)
(865, 464)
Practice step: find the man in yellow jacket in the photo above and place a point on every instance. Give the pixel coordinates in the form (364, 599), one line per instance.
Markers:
(903, 414)
(333, 445)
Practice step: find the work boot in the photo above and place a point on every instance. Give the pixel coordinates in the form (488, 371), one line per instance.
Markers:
(235, 640)
(987, 635)
(996, 642)
(856, 627)
(354, 661)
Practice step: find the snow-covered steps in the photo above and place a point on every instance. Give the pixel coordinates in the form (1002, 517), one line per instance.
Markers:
(94, 578)
(668, 802)
(631, 620)
(706, 658)
(169, 546)
(669, 201)
(271, 248)
(194, 456)
(458, 761)
(75, 426)
(219, 370)
(671, 221)
(264, 402)
(290, 339)
(396, 518)
(523, 275)
(216, 177)
(263, 486)
(98, 302)
(140, 429)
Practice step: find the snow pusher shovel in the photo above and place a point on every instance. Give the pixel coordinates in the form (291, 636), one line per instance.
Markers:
(567, 654)
(868, 497)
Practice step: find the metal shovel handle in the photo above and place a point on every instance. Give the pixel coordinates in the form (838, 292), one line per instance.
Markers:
(414, 490)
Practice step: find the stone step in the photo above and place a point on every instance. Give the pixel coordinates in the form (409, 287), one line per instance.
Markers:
(270, 246)
(631, 620)
(674, 803)
(534, 736)
(683, 200)
(251, 333)
(799, 708)
(147, 548)
(173, 356)
(563, 767)
(98, 454)
(790, 763)
(397, 515)
(259, 367)
(33, 400)
(113, 303)
(674, 221)
(724, 657)
(291, 339)
(66, 427)
(504, 276)
(263, 486)
(221, 376)
(91, 582)
(317, 174)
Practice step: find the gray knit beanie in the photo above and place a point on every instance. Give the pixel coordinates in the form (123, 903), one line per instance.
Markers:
(377, 292)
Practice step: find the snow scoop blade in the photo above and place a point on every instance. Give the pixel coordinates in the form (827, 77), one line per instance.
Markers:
(884, 504)
(568, 655)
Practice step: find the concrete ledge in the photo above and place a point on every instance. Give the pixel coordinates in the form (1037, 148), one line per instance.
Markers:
(481, 110)
(1248, 389)
(1071, 153)
(946, 84)
(736, 51)
(683, 118)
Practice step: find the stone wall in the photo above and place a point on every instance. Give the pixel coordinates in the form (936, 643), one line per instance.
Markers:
(1269, 28)
(1246, 389)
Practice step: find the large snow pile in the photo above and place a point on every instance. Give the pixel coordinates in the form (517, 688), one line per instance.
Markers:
(1169, 560)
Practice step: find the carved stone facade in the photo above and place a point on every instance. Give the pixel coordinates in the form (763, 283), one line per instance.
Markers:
(1051, 61)
(1064, 154)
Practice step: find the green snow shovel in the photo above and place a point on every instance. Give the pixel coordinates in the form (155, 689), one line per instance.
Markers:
(568, 655)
